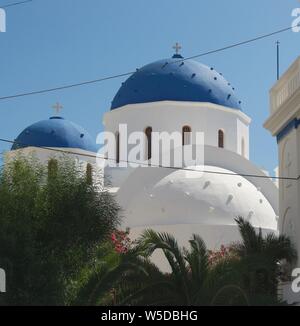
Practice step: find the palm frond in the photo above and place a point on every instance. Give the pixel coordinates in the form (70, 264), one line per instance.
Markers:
(251, 241)
(197, 259)
(280, 248)
(151, 240)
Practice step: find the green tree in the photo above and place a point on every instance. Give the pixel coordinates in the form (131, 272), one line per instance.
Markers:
(102, 283)
(190, 281)
(260, 260)
(130, 278)
(53, 220)
(247, 275)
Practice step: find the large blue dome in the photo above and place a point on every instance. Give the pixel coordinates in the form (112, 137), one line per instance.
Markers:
(176, 80)
(55, 132)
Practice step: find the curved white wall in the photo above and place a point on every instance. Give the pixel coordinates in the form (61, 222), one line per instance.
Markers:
(163, 197)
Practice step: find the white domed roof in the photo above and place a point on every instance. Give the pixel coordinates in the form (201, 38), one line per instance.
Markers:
(191, 197)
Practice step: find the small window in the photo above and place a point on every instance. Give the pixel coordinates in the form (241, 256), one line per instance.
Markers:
(221, 138)
(148, 133)
(186, 135)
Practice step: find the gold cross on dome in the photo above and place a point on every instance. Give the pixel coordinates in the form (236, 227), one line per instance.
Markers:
(177, 47)
(57, 107)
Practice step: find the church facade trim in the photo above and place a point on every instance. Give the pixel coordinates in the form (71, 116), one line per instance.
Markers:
(294, 124)
(283, 123)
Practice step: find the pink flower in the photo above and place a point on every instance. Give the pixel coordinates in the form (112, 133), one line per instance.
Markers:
(121, 241)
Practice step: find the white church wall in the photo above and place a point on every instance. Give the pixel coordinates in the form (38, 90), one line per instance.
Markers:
(284, 108)
(203, 204)
(208, 204)
(242, 139)
(289, 190)
(116, 176)
(240, 165)
(172, 116)
(162, 196)
(283, 123)
(43, 155)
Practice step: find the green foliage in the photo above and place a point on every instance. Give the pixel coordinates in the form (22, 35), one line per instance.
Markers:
(108, 272)
(249, 275)
(53, 221)
(56, 248)
(260, 260)
(187, 284)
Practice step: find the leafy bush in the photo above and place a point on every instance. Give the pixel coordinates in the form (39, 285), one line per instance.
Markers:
(52, 221)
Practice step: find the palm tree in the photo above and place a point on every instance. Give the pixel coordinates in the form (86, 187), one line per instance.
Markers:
(131, 278)
(118, 279)
(261, 258)
(192, 281)
(99, 282)
(249, 276)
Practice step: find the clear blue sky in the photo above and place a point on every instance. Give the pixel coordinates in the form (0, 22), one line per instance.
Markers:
(55, 42)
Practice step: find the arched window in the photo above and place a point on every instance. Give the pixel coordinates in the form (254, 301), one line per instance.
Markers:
(117, 147)
(221, 138)
(186, 135)
(148, 133)
(243, 150)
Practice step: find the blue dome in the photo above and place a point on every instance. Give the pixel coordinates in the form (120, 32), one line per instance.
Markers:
(55, 132)
(176, 80)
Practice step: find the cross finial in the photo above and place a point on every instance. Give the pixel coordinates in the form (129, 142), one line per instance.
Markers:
(177, 47)
(57, 107)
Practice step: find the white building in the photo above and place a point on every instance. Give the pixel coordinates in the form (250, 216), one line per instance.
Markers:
(283, 123)
(188, 97)
(185, 96)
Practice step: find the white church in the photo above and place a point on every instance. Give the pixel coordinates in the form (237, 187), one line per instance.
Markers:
(185, 96)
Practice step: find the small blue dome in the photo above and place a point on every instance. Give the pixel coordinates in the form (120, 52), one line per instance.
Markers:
(55, 132)
(176, 80)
